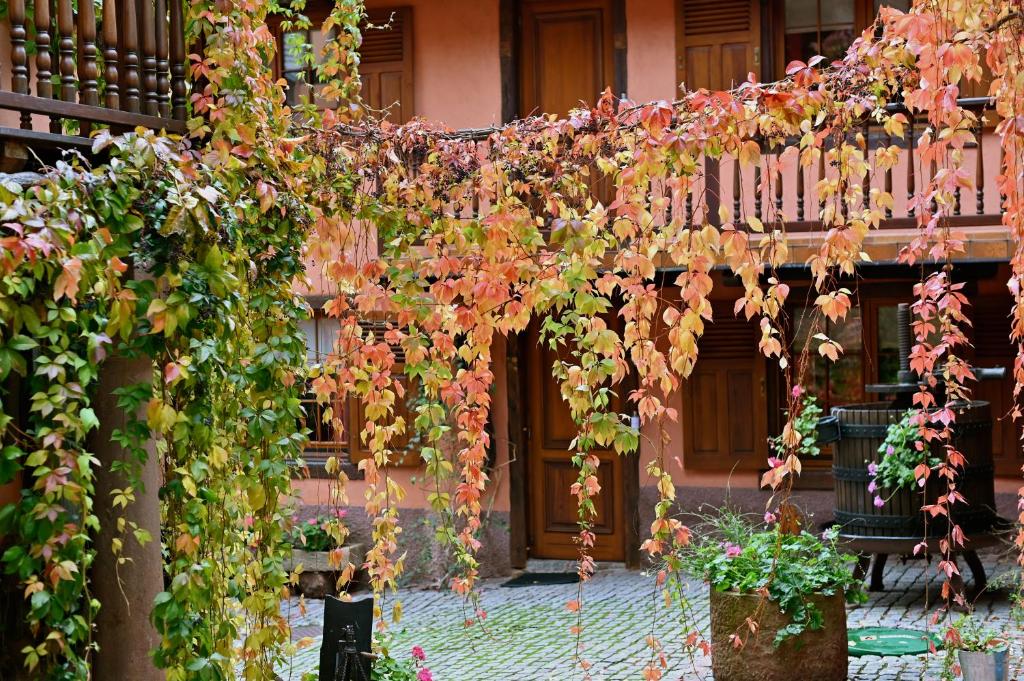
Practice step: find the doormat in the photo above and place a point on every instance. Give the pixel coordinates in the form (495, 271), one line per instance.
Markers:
(891, 642)
(542, 579)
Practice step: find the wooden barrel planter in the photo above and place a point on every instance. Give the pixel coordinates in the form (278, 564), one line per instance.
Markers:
(898, 526)
(862, 429)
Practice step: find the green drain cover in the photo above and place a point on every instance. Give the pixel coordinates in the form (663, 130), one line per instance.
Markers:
(890, 642)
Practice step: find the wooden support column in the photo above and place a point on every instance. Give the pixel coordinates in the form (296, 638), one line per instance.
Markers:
(126, 592)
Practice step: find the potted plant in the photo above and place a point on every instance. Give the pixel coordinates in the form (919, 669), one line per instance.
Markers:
(983, 654)
(319, 549)
(902, 451)
(389, 668)
(778, 600)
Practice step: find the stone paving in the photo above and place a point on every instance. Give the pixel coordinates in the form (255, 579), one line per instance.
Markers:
(527, 635)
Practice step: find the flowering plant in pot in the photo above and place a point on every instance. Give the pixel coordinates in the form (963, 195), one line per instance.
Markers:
(319, 548)
(982, 654)
(778, 600)
(386, 667)
(900, 455)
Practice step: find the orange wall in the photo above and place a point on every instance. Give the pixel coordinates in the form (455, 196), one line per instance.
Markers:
(456, 66)
(650, 50)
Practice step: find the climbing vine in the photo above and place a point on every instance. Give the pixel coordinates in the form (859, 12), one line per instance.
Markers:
(188, 252)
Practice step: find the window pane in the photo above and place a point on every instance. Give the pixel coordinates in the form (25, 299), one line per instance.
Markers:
(816, 379)
(902, 5)
(846, 377)
(816, 27)
(327, 335)
(296, 47)
(888, 345)
(308, 327)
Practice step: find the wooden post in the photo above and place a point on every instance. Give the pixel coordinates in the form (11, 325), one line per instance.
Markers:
(111, 97)
(126, 592)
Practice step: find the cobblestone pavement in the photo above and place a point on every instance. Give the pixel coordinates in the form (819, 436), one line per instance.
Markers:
(527, 635)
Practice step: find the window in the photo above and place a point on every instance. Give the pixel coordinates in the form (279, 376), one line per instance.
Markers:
(828, 27)
(330, 423)
(824, 27)
(385, 60)
(834, 383)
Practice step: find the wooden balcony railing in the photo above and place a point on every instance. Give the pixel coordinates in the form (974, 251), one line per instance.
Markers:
(778, 189)
(74, 64)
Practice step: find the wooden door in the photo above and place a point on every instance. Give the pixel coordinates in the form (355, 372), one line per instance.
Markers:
(550, 473)
(718, 42)
(725, 413)
(566, 49)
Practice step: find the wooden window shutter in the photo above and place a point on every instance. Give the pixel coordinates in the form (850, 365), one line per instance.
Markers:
(386, 66)
(718, 42)
(406, 454)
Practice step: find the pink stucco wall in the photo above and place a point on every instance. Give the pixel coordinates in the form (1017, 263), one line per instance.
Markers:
(456, 65)
(651, 50)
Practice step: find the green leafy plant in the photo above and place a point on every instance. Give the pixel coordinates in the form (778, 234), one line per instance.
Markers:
(735, 555)
(903, 451)
(969, 635)
(806, 425)
(386, 667)
(322, 533)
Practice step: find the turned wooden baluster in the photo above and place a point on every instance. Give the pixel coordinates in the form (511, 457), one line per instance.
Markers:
(111, 96)
(887, 179)
(88, 71)
(817, 189)
(737, 193)
(163, 82)
(866, 190)
(910, 169)
(689, 203)
(147, 29)
(66, 50)
(128, 34)
(757, 188)
(778, 188)
(800, 216)
(19, 55)
(980, 171)
(178, 89)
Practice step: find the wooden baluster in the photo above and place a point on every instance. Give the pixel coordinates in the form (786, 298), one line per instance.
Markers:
(910, 169)
(147, 29)
(112, 97)
(757, 189)
(778, 188)
(689, 204)
(19, 55)
(737, 191)
(800, 215)
(866, 188)
(979, 206)
(821, 176)
(88, 72)
(887, 179)
(66, 50)
(128, 34)
(44, 56)
(163, 82)
(178, 89)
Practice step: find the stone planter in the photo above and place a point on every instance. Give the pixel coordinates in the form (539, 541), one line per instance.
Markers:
(318, 578)
(820, 655)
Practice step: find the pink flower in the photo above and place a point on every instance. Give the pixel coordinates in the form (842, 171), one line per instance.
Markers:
(731, 550)
(424, 675)
(311, 521)
(249, 520)
(418, 654)
(878, 502)
(340, 512)
(797, 391)
(769, 517)
(890, 450)
(774, 462)
(872, 486)
(872, 469)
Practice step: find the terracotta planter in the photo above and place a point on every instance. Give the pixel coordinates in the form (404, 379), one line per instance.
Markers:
(318, 578)
(820, 655)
